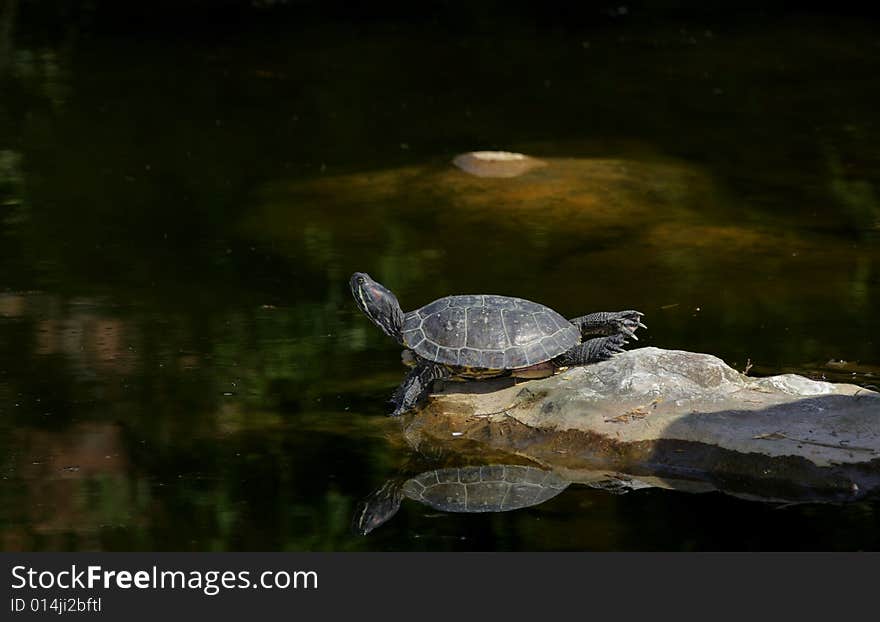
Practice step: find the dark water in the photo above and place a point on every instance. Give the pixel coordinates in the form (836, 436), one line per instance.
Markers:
(182, 366)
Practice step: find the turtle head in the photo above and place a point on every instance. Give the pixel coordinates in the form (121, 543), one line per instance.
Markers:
(378, 508)
(378, 304)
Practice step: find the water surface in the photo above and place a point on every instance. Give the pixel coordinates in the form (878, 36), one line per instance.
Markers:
(182, 367)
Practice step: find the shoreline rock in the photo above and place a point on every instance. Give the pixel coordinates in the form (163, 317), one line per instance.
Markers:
(683, 418)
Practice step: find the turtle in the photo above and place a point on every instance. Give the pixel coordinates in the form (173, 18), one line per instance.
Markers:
(466, 337)
(487, 488)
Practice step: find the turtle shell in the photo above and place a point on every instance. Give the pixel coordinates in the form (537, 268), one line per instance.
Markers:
(492, 488)
(488, 332)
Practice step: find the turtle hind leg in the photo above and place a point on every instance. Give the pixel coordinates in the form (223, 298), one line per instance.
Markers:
(592, 351)
(415, 386)
(607, 323)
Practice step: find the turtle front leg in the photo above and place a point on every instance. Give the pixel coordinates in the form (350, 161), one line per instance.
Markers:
(592, 351)
(416, 385)
(609, 323)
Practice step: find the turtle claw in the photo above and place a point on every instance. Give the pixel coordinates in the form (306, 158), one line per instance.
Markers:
(630, 322)
(615, 345)
(398, 408)
(629, 327)
(629, 334)
(416, 386)
(608, 323)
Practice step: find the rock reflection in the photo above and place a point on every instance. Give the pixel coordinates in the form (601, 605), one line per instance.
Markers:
(116, 419)
(82, 331)
(72, 484)
(470, 489)
(12, 305)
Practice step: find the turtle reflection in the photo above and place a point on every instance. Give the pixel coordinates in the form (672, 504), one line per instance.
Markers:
(488, 488)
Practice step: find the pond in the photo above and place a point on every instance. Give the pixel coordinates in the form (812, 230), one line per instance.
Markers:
(182, 366)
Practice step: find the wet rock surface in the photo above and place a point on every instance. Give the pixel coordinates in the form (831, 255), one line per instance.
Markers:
(673, 419)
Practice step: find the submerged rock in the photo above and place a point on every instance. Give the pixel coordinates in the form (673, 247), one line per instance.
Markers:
(675, 419)
(491, 188)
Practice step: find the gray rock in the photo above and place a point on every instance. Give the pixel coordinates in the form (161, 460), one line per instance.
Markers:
(673, 415)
